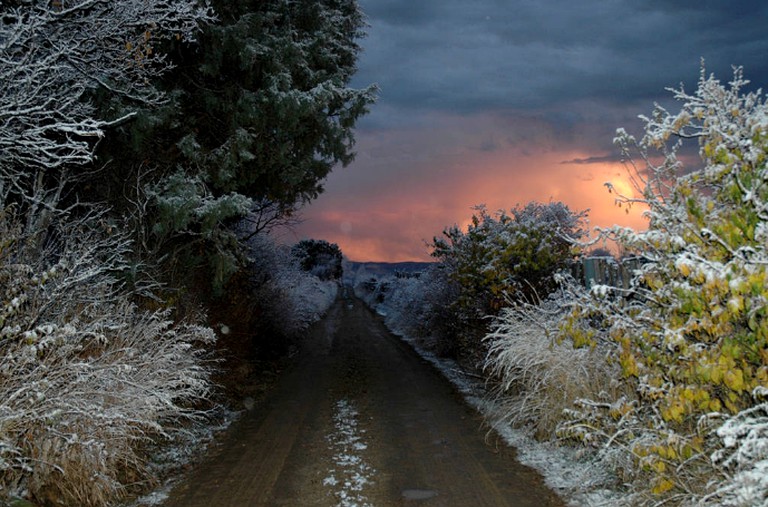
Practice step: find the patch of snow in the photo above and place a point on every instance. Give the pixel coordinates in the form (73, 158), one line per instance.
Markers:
(156, 497)
(188, 445)
(352, 473)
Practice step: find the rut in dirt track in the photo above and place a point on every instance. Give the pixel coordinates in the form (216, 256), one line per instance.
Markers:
(360, 420)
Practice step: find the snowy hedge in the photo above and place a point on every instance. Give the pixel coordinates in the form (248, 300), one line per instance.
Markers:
(289, 298)
(417, 306)
(686, 422)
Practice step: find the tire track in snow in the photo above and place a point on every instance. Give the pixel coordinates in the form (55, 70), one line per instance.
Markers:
(351, 473)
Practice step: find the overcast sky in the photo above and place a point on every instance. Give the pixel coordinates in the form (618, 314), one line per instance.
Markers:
(502, 102)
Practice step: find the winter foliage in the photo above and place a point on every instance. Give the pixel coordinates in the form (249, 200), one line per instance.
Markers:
(319, 257)
(87, 378)
(271, 86)
(55, 59)
(509, 255)
(547, 375)
(259, 115)
(291, 298)
(413, 306)
(684, 422)
(120, 224)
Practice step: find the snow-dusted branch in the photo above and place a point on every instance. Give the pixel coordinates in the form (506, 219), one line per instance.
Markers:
(52, 61)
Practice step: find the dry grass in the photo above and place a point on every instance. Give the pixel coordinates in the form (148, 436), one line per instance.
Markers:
(538, 378)
(87, 379)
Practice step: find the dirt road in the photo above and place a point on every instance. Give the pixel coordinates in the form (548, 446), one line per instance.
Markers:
(360, 420)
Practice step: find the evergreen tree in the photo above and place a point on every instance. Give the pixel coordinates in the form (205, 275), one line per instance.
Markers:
(260, 111)
(268, 107)
(319, 257)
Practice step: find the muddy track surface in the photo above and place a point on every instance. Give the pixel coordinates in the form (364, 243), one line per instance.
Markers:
(360, 420)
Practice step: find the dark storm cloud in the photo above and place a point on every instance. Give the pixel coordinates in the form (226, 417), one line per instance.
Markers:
(399, 12)
(512, 101)
(593, 160)
(467, 56)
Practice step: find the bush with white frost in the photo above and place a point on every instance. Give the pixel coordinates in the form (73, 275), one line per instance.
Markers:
(289, 298)
(688, 339)
(744, 456)
(508, 255)
(417, 306)
(537, 377)
(87, 379)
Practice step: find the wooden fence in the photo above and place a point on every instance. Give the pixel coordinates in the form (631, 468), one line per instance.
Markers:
(605, 271)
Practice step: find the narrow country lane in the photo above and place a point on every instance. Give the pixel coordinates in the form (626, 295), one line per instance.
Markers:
(360, 420)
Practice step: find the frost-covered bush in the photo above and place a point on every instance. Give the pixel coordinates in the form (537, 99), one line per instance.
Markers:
(87, 379)
(506, 256)
(289, 298)
(690, 335)
(416, 305)
(744, 457)
(538, 377)
(514, 255)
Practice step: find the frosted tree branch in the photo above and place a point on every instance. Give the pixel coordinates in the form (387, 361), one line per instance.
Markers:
(51, 61)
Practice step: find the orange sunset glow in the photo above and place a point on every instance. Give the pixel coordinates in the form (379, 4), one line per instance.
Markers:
(503, 104)
(379, 215)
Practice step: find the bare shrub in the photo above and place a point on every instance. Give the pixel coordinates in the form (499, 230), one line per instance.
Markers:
(87, 379)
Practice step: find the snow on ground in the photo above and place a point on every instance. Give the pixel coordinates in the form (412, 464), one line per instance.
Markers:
(348, 479)
(188, 446)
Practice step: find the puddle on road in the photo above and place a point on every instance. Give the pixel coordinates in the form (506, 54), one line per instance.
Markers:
(419, 494)
(351, 474)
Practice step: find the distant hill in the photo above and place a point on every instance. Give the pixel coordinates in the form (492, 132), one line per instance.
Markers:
(380, 269)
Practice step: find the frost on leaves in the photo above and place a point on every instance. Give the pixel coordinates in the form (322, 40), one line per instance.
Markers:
(691, 334)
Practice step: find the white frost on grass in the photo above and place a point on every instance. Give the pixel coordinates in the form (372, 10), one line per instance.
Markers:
(187, 447)
(351, 473)
(579, 480)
